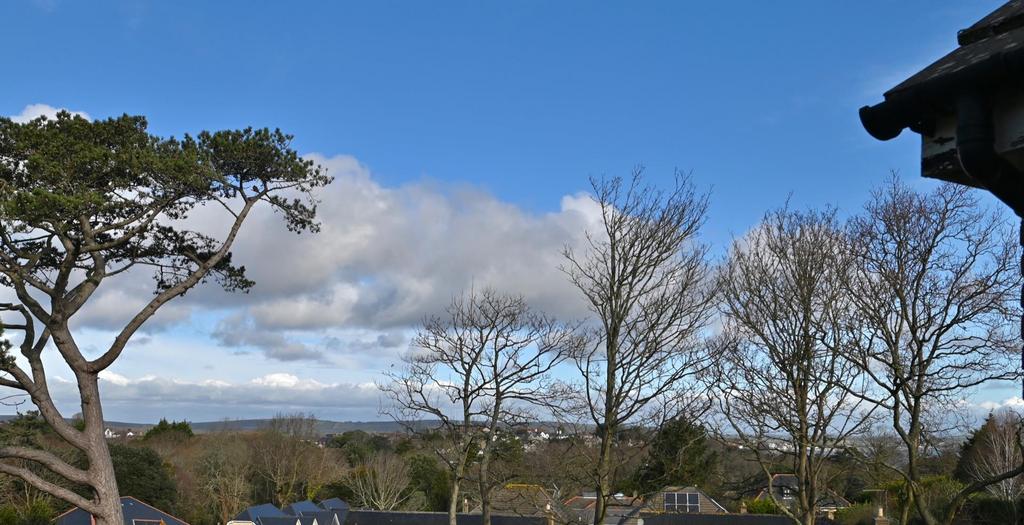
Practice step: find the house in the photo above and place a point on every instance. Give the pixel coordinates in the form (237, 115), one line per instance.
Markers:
(683, 500)
(307, 511)
(619, 509)
(379, 517)
(329, 512)
(336, 512)
(135, 513)
(524, 499)
(715, 519)
(784, 488)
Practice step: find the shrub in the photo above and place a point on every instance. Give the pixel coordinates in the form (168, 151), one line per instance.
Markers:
(763, 506)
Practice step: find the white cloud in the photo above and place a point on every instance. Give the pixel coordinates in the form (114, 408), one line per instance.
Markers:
(1014, 402)
(387, 257)
(148, 398)
(240, 331)
(111, 377)
(34, 111)
(284, 380)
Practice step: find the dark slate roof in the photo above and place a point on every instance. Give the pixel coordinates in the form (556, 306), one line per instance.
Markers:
(255, 512)
(1006, 18)
(134, 511)
(785, 480)
(715, 519)
(301, 507)
(373, 517)
(334, 504)
(277, 520)
(326, 517)
(999, 32)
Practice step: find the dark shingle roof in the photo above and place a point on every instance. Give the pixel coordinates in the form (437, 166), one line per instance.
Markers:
(373, 517)
(276, 520)
(255, 512)
(334, 504)
(998, 32)
(301, 507)
(326, 517)
(133, 509)
(714, 519)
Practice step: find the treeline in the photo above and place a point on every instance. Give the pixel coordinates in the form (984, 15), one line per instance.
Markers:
(207, 479)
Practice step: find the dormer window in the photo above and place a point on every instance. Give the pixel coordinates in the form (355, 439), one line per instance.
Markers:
(688, 502)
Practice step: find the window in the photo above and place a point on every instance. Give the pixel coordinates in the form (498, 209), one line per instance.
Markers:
(688, 502)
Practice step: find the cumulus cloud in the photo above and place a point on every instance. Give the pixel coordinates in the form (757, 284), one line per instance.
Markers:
(1013, 403)
(385, 259)
(147, 398)
(388, 257)
(240, 331)
(116, 302)
(34, 111)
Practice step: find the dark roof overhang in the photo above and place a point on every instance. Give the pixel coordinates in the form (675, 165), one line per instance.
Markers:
(915, 105)
(991, 54)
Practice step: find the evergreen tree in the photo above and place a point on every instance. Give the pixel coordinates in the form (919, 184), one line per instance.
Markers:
(142, 474)
(677, 455)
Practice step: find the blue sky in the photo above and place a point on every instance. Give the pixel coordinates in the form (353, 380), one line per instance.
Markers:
(484, 111)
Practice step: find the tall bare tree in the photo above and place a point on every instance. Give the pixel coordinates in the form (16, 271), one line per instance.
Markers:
(997, 450)
(523, 347)
(644, 276)
(223, 470)
(84, 202)
(485, 362)
(381, 482)
(287, 458)
(934, 282)
(781, 381)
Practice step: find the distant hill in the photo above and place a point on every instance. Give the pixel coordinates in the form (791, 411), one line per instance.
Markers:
(323, 427)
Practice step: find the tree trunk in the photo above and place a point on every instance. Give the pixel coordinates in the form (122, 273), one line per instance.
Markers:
(485, 502)
(101, 467)
(460, 472)
(603, 475)
(485, 489)
(453, 505)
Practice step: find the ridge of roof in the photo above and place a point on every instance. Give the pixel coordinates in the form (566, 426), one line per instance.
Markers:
(1006, 18)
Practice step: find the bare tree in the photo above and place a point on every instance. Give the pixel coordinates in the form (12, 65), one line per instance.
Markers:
(288, 460)
(381, 483)
(441, 381)
(644, 276)
(83, 203)
(224, 469)
(782, 387)
(487, 361)
(523, 347)
(998, 451)
(934, 283)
